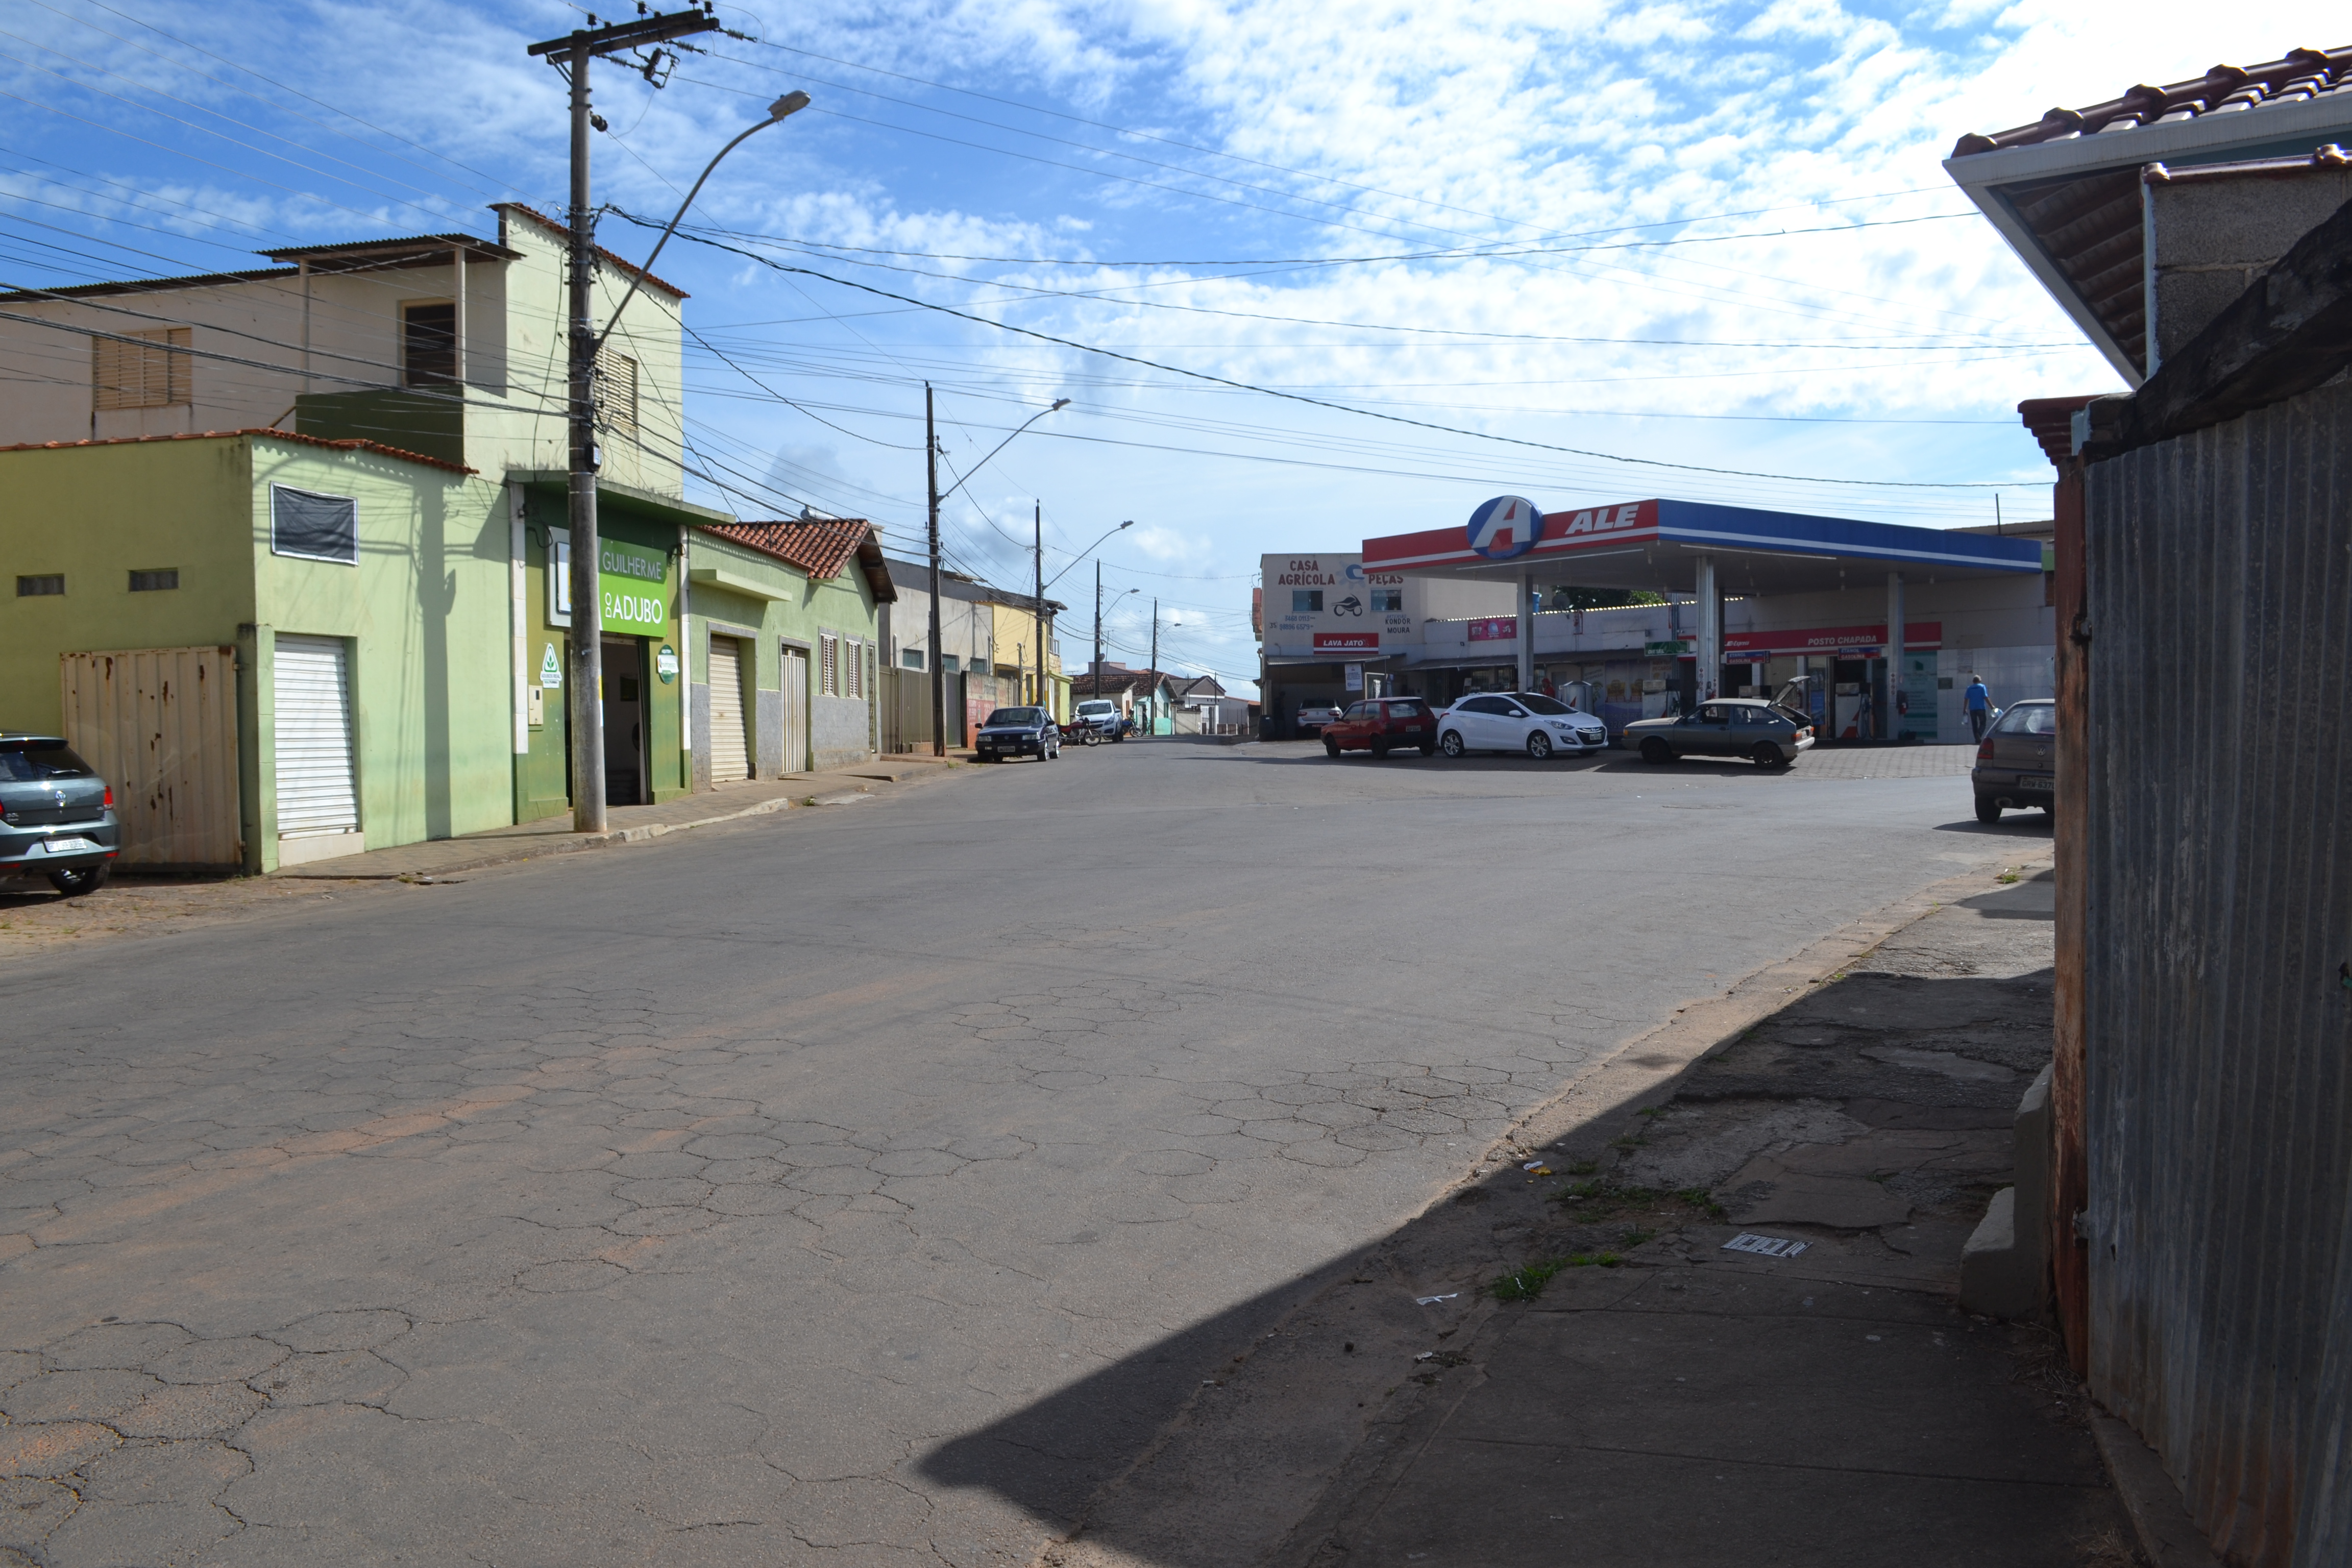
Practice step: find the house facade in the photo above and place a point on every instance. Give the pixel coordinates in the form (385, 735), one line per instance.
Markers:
(783, 649)
(404, 401)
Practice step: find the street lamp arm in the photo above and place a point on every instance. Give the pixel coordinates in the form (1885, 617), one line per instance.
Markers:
(1058, 403)
(1081, 555)
(777, 111)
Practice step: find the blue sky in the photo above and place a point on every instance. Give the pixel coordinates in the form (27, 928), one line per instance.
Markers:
(1715, 235)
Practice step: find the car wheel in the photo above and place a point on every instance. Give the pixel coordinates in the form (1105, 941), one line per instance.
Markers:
(1768, 755)
(1987, 810)
(1450, 744)
(80, 880)
(1538, 745)
(1379, 748)
(1330, 747)
(1656, 750)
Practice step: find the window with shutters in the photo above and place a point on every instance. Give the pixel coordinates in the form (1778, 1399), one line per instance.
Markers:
(853, 652)
(142, 373)
(428, 345)
(616, 392)
(828, 665)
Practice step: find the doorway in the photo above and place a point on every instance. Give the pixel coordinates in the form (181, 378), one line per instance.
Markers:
(625, 720)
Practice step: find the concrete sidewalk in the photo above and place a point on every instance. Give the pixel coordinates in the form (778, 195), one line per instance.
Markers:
(1560, 1363)
(1659, 1399)
(625, 823)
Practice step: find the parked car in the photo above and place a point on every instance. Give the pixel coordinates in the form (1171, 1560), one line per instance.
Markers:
(1099, 716)
(1012, 732)
(1381, 725)
(1766, 733)
(57, 815)
(1517, 722)
(1313, 716)
(2017, 759)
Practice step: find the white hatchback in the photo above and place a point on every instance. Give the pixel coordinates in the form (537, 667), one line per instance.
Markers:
(1524, 721)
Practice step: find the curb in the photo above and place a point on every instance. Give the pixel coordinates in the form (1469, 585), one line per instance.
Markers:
(2159, 1517)
(565, 844)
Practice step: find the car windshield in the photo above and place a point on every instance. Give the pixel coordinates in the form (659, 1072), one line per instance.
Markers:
(1095, 707)
(1536, 702)
(2037, 718)
(1012, 717)
(30, 760)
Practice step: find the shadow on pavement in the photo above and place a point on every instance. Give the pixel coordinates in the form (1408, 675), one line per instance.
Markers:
(1642, 1410)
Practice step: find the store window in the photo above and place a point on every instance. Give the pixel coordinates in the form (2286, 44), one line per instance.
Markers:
(1306, 600)
(1387, 600)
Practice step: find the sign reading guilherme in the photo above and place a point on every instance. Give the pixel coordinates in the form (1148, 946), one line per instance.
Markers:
(632, 584)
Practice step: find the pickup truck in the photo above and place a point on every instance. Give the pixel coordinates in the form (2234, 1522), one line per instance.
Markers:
(1313, 716)
(1099, 718)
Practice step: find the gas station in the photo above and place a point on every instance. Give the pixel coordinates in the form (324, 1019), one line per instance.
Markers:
(1864, 616)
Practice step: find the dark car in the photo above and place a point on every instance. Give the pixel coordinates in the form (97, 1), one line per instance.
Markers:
(2015, 761)
(57, 815)
(1768, 733)
(1012, 732)
(1381, 725)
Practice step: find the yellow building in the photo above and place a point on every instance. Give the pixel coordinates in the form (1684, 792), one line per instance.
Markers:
(1013, 628)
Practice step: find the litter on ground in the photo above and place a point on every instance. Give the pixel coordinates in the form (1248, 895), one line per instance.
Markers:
(1765, 1245)
(1433, 1301)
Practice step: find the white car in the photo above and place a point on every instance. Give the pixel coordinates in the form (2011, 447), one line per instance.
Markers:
(1524, 721)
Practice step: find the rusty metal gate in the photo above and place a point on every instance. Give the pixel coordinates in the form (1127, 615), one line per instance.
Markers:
(160, 725)
(2218, 986)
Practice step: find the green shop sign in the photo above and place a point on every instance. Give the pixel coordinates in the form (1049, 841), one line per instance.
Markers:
(631, 585)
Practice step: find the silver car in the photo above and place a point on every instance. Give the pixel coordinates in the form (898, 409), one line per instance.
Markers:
(1766, 734)
(57, 815)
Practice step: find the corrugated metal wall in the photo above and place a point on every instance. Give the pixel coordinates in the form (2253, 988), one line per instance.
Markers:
(159, 723)
(2218, 1021)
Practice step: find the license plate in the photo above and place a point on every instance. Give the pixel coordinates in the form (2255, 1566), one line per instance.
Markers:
(2035, 781)
(64, 847)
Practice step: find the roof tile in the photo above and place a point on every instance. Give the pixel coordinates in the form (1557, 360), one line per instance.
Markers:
(2303, 74)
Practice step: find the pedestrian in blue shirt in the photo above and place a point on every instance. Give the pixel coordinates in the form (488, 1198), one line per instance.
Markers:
(1979, 705)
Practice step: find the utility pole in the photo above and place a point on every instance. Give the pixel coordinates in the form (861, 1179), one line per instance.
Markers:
(1037, 560)
(1155, 664)
(586, 709)
(939, 664)
(1098, 685)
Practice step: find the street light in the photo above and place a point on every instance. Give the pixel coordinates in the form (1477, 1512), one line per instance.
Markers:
(572, 54)
(931, 483)
(1097, 690)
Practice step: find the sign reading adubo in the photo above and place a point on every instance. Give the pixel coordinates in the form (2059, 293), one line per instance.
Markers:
(631, 583)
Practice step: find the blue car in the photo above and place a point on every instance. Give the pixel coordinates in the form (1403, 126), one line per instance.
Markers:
(57, 815)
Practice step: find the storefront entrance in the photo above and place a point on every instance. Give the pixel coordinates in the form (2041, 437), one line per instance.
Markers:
(625, 721)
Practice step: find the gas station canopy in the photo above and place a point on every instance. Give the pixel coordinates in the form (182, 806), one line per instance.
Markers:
(1663, 545)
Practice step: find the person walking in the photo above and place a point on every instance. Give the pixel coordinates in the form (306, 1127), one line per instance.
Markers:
(1979, 705)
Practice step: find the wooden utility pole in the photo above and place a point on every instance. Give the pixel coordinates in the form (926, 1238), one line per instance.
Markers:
(1155, 665)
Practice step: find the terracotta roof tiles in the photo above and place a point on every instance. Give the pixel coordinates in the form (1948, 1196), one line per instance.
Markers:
(821, 546)
(2224, 89)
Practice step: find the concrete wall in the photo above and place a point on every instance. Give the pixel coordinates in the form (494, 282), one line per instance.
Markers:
(2214, 234)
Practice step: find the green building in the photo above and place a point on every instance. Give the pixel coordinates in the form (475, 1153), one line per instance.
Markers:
(781, 645)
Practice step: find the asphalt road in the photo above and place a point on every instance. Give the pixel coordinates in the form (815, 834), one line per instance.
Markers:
(750, 1195)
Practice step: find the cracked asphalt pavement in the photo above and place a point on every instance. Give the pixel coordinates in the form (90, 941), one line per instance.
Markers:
(686, 1202)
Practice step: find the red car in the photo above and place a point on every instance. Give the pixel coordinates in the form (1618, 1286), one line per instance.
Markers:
(1381, 726)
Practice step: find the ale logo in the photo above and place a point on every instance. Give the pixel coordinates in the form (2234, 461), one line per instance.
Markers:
(1506, 527)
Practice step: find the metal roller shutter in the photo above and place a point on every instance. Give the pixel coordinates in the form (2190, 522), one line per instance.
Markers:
(313, 748)
(729, 756)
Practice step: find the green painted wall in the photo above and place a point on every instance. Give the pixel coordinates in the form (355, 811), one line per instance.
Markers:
(94, 513)
(541, 779)
(424, 615)
(802, 608)
(425, 612)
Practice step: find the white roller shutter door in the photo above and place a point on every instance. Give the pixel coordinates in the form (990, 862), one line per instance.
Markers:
(730, 757)
(313, 748)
